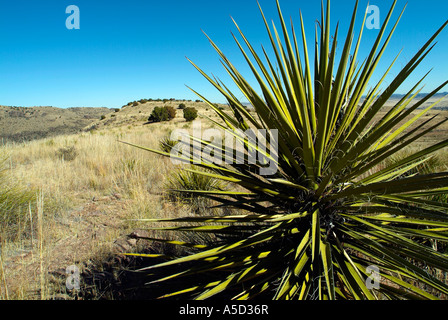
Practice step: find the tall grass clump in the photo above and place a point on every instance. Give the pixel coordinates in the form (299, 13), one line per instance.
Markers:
(431, 164)
(68, 153)
(319, 227)
(16, 202)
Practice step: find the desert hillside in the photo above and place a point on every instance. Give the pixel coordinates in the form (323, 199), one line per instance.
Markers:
(138, 112)
(19, 124)
(75, 197)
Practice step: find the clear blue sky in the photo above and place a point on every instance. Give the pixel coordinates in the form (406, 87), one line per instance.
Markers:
(128, 50)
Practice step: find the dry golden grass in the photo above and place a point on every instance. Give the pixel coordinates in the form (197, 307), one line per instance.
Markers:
(87, 202)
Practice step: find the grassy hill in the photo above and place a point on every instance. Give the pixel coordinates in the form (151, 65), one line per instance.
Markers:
(137, 113)
(19, 124)
(75, 196)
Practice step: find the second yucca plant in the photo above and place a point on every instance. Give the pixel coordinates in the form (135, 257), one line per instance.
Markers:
(315, 228)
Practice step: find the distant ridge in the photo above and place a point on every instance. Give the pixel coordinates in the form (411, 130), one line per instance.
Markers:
(18, 124)
(422, 95)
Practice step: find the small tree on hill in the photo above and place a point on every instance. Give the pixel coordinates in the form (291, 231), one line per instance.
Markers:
(159, 114)
(162, 114)
(171, 112)
(190, 114)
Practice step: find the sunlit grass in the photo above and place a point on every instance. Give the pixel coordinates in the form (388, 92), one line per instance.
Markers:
(99, 167)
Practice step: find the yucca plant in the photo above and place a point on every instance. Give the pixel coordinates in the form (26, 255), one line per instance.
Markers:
(166, 144)
(181, 181)
(328, 216)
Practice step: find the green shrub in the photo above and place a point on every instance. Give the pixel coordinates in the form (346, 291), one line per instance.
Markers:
(181, 106)
(135, 103)
(171, 112)
(190, 113)
(159, 114)
(103, 117)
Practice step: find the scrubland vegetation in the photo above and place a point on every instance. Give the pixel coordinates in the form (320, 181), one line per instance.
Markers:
(67, 199)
